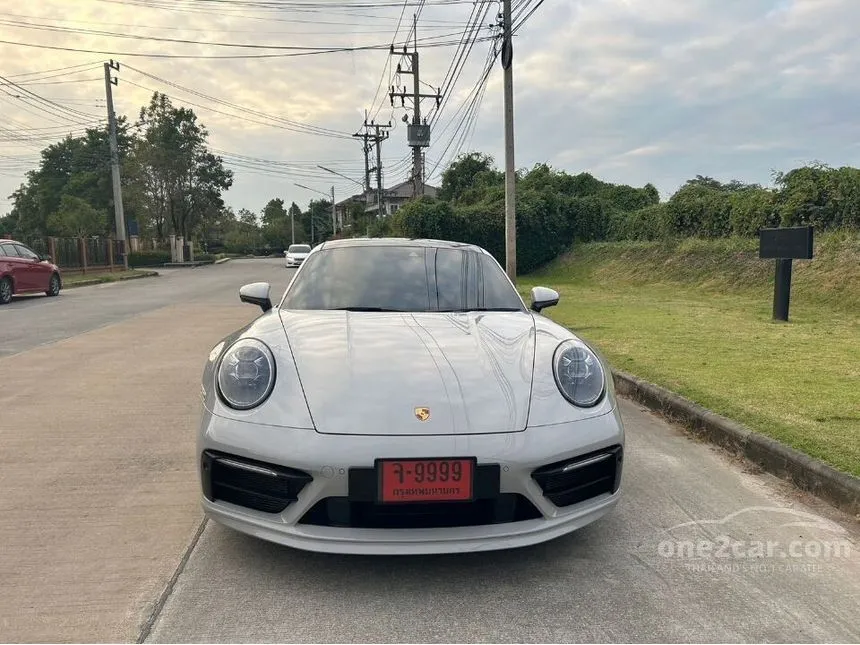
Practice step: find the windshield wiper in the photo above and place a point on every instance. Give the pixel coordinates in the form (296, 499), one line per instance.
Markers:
(462, 311)
(361, 309)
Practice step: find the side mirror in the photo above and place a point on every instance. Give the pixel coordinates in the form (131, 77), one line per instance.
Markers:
(45, 258)
(256, 293)
(543, 297)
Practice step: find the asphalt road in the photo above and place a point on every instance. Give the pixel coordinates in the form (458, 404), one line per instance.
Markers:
(29, 321)
(103, 539)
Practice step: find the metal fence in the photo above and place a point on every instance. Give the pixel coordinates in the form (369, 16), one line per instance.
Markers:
(79, 254)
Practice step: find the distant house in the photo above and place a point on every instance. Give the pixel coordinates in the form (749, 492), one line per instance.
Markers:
(392, 199)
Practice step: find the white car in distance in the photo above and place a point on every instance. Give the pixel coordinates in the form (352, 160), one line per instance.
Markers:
(296, 254)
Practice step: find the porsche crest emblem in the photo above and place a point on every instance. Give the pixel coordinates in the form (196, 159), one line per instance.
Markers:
(422, 414)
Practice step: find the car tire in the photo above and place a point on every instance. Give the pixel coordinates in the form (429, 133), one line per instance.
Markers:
(53, 286)
(5, 291)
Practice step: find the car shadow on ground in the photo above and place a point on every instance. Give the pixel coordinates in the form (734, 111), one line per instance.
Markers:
(26, 299)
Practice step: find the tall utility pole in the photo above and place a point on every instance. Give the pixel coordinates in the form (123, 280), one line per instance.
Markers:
(510, 171)
(333, 214)
(377, 136)
(114, 162)
(418, 134)
(292, 227)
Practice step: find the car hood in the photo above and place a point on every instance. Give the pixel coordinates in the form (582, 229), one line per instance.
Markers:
(372, 373)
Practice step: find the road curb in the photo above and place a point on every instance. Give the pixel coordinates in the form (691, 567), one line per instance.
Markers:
(223, 260)
(807, 473)
(89, 283)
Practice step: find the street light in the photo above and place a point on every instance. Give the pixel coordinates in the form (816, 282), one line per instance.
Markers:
(340, 175)
(334, 172)
(333, 219)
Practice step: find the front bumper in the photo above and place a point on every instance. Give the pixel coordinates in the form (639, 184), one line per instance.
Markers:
(328, 459)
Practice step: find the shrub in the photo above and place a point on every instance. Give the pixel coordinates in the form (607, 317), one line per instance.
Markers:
(148, 258)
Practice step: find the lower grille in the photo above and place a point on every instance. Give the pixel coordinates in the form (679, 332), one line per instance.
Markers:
(253, 484)
(341, 512)
(582, 478)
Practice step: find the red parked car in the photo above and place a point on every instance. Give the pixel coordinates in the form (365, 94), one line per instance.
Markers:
(24, 271)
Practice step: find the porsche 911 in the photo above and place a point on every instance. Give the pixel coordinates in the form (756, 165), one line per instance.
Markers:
(401, 398)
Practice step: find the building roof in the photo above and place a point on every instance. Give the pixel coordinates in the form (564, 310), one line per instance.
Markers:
(387, 191)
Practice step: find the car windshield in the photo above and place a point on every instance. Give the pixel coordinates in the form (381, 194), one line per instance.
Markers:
(401, 278)
(299, 248)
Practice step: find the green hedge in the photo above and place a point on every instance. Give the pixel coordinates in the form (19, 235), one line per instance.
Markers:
(148, 258)
(547, 223)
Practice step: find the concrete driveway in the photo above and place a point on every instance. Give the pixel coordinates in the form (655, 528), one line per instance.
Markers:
(103, 539)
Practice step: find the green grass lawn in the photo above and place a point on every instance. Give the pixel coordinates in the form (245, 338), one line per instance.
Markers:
(712, 340)
(103, 276)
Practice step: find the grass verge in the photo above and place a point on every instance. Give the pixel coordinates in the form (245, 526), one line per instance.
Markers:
(86, 279)
(695, 317)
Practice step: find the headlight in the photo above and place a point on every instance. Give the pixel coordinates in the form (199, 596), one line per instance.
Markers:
(578, 374)
(246, 374)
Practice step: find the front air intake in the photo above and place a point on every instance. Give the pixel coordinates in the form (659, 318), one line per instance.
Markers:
(582, 478)
(252, 484)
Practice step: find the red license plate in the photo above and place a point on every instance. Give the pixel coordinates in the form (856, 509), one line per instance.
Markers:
(425, 480)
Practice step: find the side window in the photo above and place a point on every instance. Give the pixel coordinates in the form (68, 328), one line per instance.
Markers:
(2, 250)
(24, 252)
(456, 279)
(11, 250)
(497, 291)
(451, 278)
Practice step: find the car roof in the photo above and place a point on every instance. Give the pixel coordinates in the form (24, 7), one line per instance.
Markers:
(399, 241)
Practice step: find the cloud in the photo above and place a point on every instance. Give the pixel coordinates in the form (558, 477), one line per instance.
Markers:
(634, 91)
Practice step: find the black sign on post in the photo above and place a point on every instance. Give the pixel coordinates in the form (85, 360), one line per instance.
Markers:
(784, 245)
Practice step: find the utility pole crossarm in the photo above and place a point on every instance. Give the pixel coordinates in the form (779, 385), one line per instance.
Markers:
(377, 135)
(418, 133)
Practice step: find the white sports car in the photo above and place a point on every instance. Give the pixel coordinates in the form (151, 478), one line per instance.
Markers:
(401, 398)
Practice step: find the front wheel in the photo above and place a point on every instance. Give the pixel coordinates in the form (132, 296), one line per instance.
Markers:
(54, 286)
(5, 291)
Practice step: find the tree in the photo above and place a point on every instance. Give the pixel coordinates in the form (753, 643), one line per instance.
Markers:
(319, 211)
(8, 224)
(295, 223)
(276, 225)
(181, 180)
(75, 166)
(463, 174)
(76, 218)
(244, 235)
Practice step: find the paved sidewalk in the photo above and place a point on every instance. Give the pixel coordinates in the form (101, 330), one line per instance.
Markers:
(98, 489)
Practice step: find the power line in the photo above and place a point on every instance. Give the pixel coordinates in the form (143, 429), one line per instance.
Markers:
(387, 66)
(469, 103)
(527, 16)
(459, 63)
(75, 80)
(431, 25)
(56, 69)
(280, 122)
(430, 42)
(184, 41)
(40, 102)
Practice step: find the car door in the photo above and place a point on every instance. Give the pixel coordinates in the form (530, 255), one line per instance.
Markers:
(7, 263)
(33, 273)
(17, 267)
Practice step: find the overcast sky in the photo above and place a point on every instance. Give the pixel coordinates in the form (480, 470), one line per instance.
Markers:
(633, 91)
